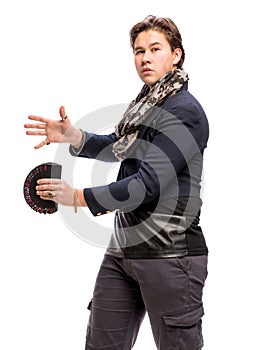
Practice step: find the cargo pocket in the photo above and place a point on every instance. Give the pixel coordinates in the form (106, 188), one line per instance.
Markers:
(182, 330)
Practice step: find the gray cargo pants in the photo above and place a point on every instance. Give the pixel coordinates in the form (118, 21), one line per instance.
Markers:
(169, 290)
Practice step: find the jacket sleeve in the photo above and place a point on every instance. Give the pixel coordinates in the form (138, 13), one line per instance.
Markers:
(175, 142)
(97, 147)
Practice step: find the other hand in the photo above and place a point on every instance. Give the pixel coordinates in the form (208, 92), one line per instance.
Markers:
(60, 131)
(56, 190)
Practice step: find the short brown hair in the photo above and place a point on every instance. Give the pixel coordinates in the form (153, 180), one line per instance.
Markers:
(164, 25)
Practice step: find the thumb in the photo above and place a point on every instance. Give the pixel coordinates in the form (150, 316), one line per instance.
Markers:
(62, 112)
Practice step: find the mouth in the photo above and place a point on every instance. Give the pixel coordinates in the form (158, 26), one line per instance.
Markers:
(146, 70)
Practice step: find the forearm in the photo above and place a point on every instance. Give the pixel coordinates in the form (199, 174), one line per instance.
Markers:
(95, 147)
(126, 194)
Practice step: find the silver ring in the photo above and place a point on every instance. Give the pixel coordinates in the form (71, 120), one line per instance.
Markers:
(64, 118)
(50, 194)
(47, 142)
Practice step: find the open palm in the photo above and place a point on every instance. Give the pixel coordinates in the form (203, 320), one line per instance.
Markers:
(58, 131)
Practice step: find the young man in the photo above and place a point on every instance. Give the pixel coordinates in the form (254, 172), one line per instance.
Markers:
(157, 258)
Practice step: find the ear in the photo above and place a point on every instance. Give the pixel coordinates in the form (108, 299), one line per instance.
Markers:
(176, 54)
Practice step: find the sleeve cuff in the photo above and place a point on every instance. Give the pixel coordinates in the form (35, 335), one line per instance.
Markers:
(94, 206)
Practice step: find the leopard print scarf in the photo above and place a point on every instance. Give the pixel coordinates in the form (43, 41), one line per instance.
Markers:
(129, 126)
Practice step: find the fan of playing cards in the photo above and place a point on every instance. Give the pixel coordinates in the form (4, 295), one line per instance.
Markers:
(45, 170)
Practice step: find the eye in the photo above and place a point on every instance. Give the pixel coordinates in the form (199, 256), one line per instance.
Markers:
(138, 52)
(155, 49)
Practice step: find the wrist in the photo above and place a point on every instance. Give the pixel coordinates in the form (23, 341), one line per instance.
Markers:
(81, 198)
(78, 199)
(76, 138)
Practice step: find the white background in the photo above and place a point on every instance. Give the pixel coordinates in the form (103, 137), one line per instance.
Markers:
(77, 53)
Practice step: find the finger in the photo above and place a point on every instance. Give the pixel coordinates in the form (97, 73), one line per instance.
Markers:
(48, 181)
(34, 126)
(44, 188)
(36, 133)
(62, 112)
(50, 189)
(46, 197)
(46, 191)
(41, 144)
(38, 119)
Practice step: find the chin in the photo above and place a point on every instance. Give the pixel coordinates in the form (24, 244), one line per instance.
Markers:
(149, 81)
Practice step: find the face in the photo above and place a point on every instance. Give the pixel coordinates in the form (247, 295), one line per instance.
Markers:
(153, 56)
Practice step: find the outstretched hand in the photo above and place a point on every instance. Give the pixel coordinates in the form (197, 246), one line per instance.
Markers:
(58, 131)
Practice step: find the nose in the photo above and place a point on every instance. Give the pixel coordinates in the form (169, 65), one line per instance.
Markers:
(146, 58)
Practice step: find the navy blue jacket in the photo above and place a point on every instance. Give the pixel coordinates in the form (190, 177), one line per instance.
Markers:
(160, 178)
